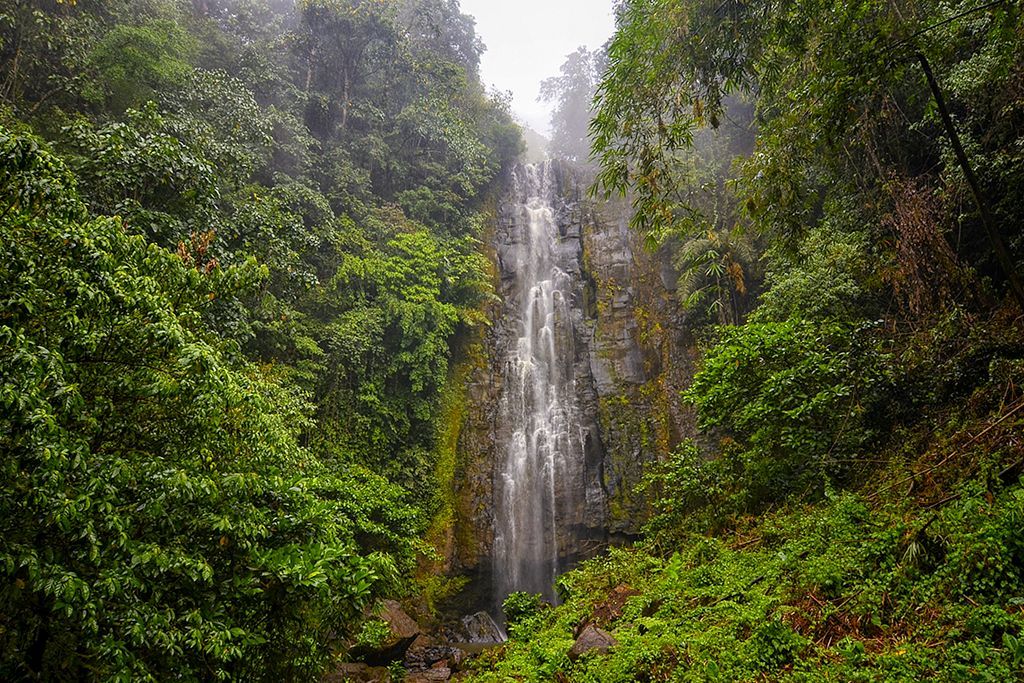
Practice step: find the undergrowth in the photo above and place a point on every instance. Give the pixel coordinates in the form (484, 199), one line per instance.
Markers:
(915, 574)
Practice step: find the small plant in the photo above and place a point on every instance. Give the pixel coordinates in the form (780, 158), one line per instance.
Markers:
(522, 611)
(373, 633)
(774, 644)
(397, 672)
(1014, 648)
(853, 651)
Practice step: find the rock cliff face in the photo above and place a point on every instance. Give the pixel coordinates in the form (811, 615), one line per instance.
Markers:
(624, 345)
(641, 354)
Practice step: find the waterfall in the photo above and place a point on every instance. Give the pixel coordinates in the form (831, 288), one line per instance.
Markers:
(538, 412)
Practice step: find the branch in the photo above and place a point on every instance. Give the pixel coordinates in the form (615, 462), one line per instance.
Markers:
(910, 39)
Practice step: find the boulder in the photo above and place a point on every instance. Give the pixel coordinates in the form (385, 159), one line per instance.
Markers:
(592, 639)
(357, 673)
(403, 632)
(429, 676)
(420, 658)
(423, 641)
(481, 629)
(403, 627)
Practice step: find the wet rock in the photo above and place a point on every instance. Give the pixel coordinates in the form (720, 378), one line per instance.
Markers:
(421, 658)
(624, 339)
(594, 640)
(357, 673)
(429, 676)
(642, 354)
(546, 298)
(480, 628)
(423, 641)
(402, 625)
(403, 632)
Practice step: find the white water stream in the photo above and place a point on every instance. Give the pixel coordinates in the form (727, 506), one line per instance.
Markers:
(538, 404)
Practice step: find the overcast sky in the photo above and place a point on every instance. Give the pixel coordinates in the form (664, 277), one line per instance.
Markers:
(527, 41)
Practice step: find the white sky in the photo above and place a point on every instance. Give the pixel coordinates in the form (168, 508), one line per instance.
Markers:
(527, 41)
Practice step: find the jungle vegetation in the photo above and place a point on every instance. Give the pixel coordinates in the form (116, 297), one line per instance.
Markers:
(241, 240)
(224, 226)
(839, 187)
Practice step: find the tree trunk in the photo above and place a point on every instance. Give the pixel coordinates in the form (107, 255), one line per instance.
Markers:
(35, 656)
(309, 69)
(346, 84)
(994, 237)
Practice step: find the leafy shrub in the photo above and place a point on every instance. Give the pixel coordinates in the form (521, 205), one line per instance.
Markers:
(773, 645)
(794, 396)
(522, 612)
(373, 633)
(157, 513)
(987, 553)
(830, 278)
(683, 487)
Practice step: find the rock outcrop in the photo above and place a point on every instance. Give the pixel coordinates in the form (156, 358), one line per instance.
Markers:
(642, 357)
(631, 356)
(481, 629)
(425, 653)
(402, 632)
(592, 640)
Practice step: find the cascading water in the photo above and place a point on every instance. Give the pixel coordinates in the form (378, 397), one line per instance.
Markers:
(538, 409)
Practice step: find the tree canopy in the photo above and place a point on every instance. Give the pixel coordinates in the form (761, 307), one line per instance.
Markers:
(240, 241)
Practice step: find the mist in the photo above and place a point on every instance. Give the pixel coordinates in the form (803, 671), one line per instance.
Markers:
(529, 41)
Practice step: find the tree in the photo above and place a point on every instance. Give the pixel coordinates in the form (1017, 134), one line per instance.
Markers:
(42, 50)
(221, 368)
(157, 512)
(133, 63)
(339, 39)
(573, 94)
(837, 119)
(439, 28)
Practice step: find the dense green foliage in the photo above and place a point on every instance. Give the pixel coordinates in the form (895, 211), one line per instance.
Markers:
(240, 241)
(239, 244)
(835, 592)
(839, 188)
(878, 244)
(159, 514)
(777, 389)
